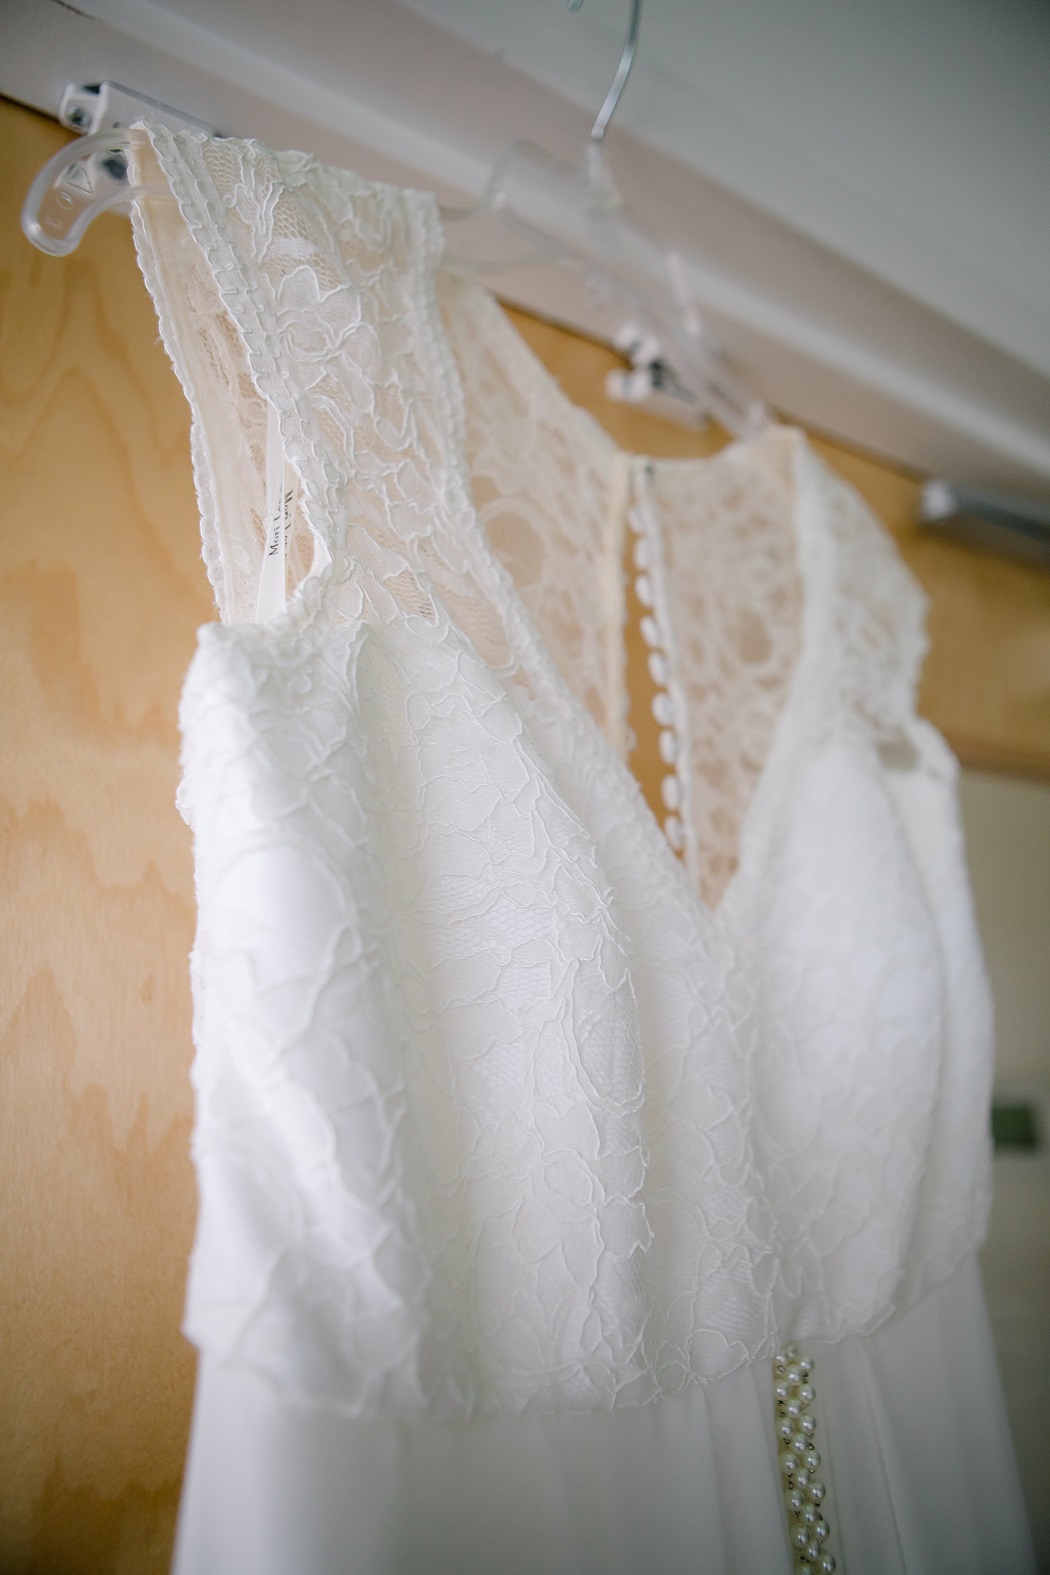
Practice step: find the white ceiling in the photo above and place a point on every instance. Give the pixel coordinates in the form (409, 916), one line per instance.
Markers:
(911, 135)
(861, 183)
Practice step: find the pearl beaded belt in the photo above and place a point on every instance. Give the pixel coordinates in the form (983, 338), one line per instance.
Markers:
(799, 1460)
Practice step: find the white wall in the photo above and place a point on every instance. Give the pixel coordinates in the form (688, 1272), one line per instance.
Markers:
(1008, 838)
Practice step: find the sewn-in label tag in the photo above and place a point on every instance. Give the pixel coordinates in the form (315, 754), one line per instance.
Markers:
(282, 487)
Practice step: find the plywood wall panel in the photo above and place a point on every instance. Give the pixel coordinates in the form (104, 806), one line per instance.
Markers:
(101, 591)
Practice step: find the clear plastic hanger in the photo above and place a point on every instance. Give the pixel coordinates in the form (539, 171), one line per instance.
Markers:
(81, 181)
(535, 213)
(92, 176)
(538, 212)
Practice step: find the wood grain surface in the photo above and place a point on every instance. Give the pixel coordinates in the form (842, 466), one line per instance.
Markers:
(102, 589)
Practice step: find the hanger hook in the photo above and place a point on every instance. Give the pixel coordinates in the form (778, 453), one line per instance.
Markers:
(623, 71)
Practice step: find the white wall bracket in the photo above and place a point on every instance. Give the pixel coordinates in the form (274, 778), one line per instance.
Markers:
(103, 106)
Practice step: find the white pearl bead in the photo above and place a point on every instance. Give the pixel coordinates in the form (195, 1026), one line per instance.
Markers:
(791, 1353)
(641, 553)
(806, 1364)
(636, 520)
(785, 1430)
(813, 1550)
(788, 1461)
(801, 1478)
(781, 1389)
(668, 746)
(800, 1536)
(810, 1518)
(799, 1442)
(816, 1492)
(795, 1500)
(794, 1374)
(807, 1425)
(812, 1459)
(826, 1564)
(652, 634)
(821, 1529)
(793, 1407)
(806, 1394)
(643, 587)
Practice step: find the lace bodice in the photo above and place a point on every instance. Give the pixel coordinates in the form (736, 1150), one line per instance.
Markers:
(500, 1105)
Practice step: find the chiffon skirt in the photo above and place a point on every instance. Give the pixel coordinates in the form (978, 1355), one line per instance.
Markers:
(917, 1459)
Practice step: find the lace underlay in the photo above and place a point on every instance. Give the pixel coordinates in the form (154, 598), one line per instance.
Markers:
(731, 584)
(549, 498)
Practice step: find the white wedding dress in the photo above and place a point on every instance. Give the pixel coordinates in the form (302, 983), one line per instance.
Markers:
(530, 1130)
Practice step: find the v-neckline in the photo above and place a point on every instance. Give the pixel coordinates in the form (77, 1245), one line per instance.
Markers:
(810, 540)
(813, 595)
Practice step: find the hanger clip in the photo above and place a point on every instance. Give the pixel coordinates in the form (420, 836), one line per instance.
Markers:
(88, 108)
(652, 384)
(92, 176)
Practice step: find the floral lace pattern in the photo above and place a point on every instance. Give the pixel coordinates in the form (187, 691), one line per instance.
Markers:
(550, 500)
(495, 1111)
(734, 597)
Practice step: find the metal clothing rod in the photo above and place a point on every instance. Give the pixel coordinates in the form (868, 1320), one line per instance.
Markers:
(992, 521)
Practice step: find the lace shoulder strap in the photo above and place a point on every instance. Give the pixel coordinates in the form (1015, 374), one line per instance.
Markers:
(284, 284)
(879, 616)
